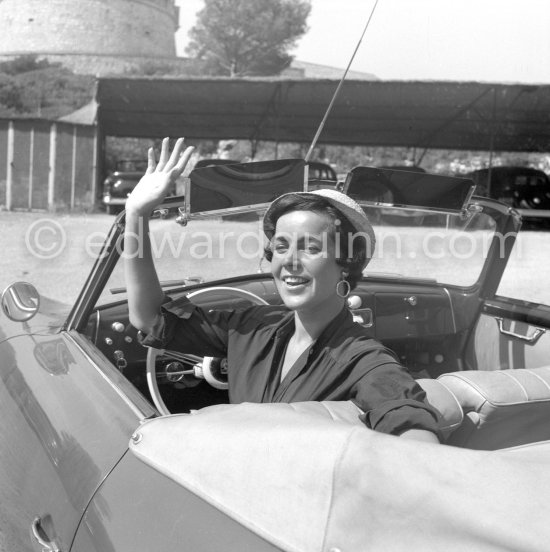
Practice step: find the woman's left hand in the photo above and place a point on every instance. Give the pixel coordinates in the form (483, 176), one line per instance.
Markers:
(159, 177)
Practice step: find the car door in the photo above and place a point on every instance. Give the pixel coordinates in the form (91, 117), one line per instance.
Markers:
(67, 417)
(513, 328)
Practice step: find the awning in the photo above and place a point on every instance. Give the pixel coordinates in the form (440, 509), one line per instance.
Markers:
(453, 115)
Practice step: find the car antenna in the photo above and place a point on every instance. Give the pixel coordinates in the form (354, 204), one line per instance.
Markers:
(336, 92)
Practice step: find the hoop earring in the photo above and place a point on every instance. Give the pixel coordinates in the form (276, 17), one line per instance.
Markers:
(347, 288)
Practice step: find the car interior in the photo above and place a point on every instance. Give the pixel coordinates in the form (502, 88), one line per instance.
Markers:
(443, 333)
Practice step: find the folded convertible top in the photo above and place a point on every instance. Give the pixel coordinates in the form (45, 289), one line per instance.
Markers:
(311, 477)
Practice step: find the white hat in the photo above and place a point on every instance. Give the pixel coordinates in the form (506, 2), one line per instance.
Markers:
(349, 208)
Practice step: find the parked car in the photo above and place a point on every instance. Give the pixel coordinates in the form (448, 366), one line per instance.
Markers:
(318, 170)
(120, 183)
(321, 175)
(106, 445)
(526, 189)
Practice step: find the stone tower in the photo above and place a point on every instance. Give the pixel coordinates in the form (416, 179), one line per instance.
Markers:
(91, 36)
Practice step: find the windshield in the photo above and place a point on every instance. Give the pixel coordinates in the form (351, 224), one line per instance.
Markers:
(445, 248)
(411, 244)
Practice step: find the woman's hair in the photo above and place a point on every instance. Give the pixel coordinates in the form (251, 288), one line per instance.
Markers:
(352, 261)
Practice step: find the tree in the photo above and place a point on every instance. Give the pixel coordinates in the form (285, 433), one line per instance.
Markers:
(25, 64)
(247, 37)
(32, 87)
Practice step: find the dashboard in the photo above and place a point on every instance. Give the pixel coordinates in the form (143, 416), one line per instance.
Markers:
(417, 321)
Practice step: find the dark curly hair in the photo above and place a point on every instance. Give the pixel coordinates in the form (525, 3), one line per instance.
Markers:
(352, 261)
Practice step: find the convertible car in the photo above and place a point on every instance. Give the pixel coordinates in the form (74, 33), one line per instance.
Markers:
(109, 446)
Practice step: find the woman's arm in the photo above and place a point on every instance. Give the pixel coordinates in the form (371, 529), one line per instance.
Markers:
(144, 292)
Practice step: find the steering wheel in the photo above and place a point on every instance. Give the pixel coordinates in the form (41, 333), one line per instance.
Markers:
(208, 368)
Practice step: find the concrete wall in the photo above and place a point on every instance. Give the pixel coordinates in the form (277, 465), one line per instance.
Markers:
(47, 165)
(97, 27)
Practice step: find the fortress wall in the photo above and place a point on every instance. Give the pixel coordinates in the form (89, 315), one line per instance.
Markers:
(98, 27)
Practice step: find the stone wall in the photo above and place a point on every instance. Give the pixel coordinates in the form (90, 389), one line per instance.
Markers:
(92, 27)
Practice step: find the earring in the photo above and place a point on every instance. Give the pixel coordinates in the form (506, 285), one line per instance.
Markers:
(347, 288)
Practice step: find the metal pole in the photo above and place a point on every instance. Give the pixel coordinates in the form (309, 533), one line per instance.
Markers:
(51, 175)
(492, 143)
(9, 165)
(73, 174)
(31, 167)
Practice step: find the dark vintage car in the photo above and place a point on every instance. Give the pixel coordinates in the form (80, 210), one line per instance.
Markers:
(317, 170)
(524, 188)
(108, 446)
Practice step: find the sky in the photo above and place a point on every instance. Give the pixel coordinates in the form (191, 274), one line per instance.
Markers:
(465, 40)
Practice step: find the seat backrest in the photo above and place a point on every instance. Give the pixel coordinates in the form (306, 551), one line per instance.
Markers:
(502, 409)
(444, 401)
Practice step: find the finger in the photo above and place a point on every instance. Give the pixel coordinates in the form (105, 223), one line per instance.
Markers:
(163, 154)
(176, 152)
(184, 159)
(151, 161)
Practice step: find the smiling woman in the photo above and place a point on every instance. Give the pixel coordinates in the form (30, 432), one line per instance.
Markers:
(308, 348)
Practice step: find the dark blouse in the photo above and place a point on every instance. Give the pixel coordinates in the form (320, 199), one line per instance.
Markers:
(344, 363)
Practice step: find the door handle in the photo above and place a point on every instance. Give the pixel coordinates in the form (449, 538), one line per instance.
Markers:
(42, 538)
(533, 338)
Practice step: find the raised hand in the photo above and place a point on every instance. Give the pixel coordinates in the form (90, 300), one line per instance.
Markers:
(159, 177)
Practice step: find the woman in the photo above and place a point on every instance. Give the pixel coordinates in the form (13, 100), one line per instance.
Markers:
(310, 349)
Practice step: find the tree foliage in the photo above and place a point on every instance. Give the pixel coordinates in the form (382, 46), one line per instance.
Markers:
(32, 87)
(247, 37)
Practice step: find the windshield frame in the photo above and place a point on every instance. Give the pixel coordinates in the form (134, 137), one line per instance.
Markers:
(507, 223)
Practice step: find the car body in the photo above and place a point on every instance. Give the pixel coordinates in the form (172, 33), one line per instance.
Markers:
(91, 461)
(525, 188)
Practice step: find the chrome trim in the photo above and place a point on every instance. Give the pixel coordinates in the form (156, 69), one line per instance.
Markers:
(37, 532)
(533, 213)
(452, 309)
(97, 322)
(533, 338)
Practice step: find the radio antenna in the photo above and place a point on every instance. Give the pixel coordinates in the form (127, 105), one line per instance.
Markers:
(336, 92)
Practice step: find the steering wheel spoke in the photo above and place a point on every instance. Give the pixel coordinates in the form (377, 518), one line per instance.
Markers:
(213, 370)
